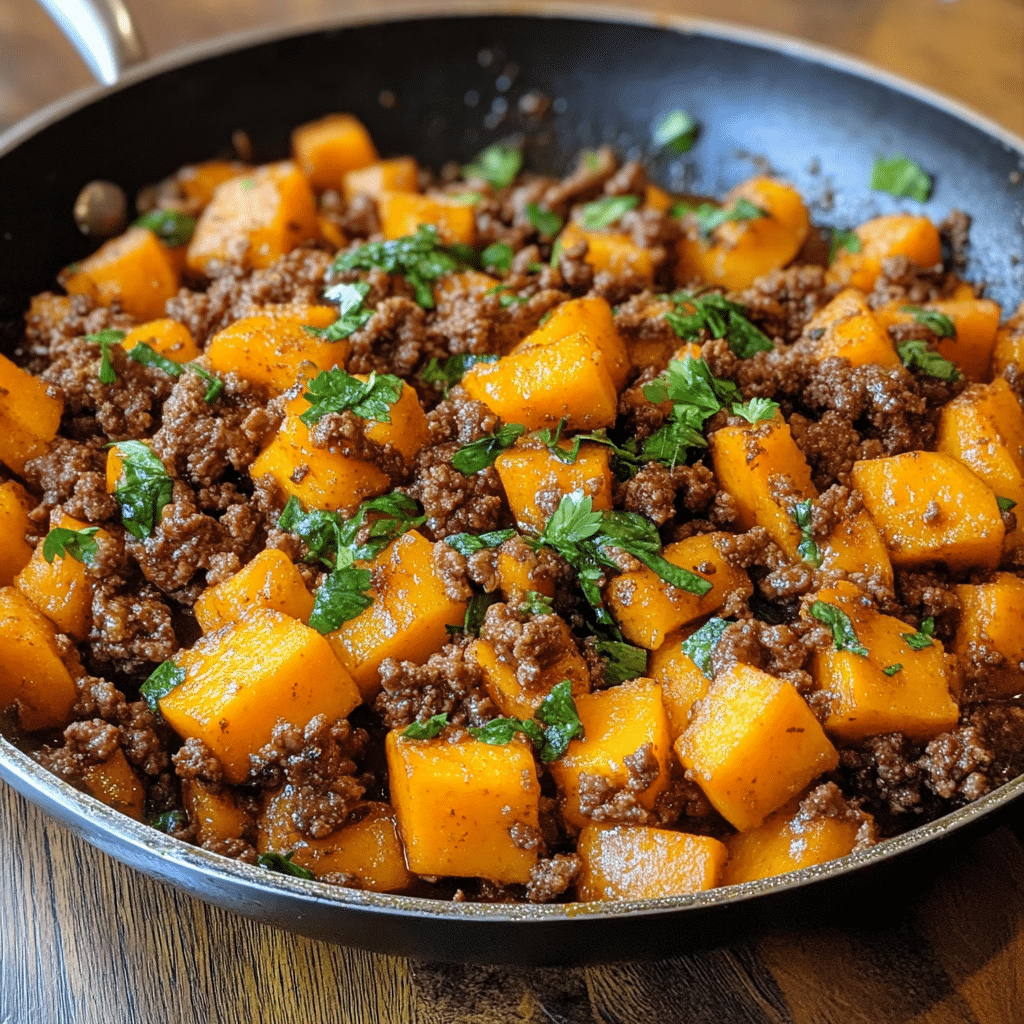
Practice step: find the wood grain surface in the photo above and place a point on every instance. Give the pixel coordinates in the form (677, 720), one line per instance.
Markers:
(84, 940)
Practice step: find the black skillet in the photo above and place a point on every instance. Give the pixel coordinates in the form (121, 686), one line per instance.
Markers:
(442, 88)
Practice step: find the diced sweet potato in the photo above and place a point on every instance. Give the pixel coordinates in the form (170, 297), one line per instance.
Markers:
(647, 608)
(530, 468)
(657, 198)
(198, 181)
(367, 847)
(847, 328)
(1009, 346)
(738, 252)
(931, 508)
(898, 234)
(407, 618)
(456, 802)
(15, 527)
(30, 411)
(539, 386)
(400, 174)
(115, 783)
(856, 546)
(634, 862)
(242, 679)
(450, 289)
(135, 270)
(863, 699)
(270, 580)
(519, 572)
(329, 148)
(407, 430)
(618, 723)
(47, 309)
(254, 220)
(168, 337)
(401, 213)
(753, 743)
(31, 670)
(214, 812)
(990, 632)
(610, 252)
(682, 682)
(766, 473)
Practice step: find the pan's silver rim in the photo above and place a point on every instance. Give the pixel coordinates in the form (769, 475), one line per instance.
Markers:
(85, 814)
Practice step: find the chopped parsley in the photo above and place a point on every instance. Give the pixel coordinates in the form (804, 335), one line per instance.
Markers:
(891, 670)
(756, 409)
(1005, 504)
(78, 544)
(105, 339)
(164, 678)
(900, 176)
(843, 635)
(556, 253)
(450, 371)
(624, 462)
(554, 725)
(700, 646)
(282, 864)
(352, 311)
(498, 256)
(603, 213)
(807, 549)
(342, 595)
(923, 637)
(916, 355)
(938, 323)
(146, 355)
(143, 490)
(546, 221)
(675, 132)
(169, 821)
(843, 239)
(497, 165)
(623, 661)
(508, 299)
(535, 603)
(215, 384)
(721, 318)
(426, 730)
(170, 226)
(476, 609)
(710, 217)
(480, 454)
(471, 543)
(337, 391)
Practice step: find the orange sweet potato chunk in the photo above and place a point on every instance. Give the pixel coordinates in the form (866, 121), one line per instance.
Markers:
(682, 682)
(856, 546)
(15, 527)
(400, 174)
(407, 429)
(897, 234)
(635, 862)
(115, 783)
(31, 670)
(166, 336)
(242, 679)
(1009, 346)
(519, 572)
(30, 411)
(847, 328)
(990, 632)
(456, 802)
(931, 508)
(255, 219)
(198, 181)
(753, 743)
(610, 252)
(401, 213)
(213, 811)
(329, 148)
(647, 608)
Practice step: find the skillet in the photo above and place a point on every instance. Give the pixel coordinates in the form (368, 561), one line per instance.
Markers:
(433, 87)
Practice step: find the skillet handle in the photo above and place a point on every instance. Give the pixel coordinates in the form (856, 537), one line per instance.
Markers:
(102, 32)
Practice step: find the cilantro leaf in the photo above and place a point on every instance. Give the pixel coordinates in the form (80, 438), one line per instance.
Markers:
(535, 603)
(843, 239)
(843, 635)
(169, 821)
(604, 212)
(923, 637)
(471, 543)
(146, 355)
(807, 549)
(499, 731)
(170, 226)
(78, 544)
(282, 864)
(700, 646)
(352, 314)
(216, 385)
(426, 730)
(557, 712)
(624, 661)
(916, 355)
(710, 217)
(498, 256)
(508, 299)
(721, 318)
(341, 597)
(1005, 504)
(756, 409)
(105, 338)
(480, 454)
(143, 489)
(891, 670)
(337, 391)
(900, 176)
(497, 165)
(164, 678)
(676, 132)
(546, 221)
(319, 529)
(419, 258)
(938, 323)
(573, 521)
(624, 461)
(452, 369)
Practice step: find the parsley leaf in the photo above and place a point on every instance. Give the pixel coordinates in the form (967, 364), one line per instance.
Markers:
(624, 661)
(476, 609)
(78, 544)
(164, 678)
(916, 355)
(106, 338)
(923, 637)
(426, 730)
(471, 543)
(319, 529)
(546, 221)
(170, 226)
(507, 300)
(337, 391)
(169, 821)
(756, 409)
(891, 670)
(451, 370)
(676, 132)
(557, 711)
(282, 864)
(146, 355)
(341, 597)
(624, 462)
(700, 646)
(843, 635)
(480, 454)
(938, 323)
(535, 603)
(1005, 504)
(710, 217)
(499, 731)
(352, 314)
(497, 165)
(603, 213)
(498, 256)
(143, 489)
(900, 176)
(721, 318)
(216, 385)
(419, 258)
(843, 239)
(806, 549)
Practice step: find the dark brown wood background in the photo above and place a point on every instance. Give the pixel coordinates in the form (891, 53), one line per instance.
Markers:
(84, 940)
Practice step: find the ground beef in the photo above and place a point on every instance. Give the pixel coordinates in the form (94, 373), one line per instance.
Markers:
(459, 418)
(551, 877)
(528, 644)
(452, 501)
(132, 628)
(781, 302)
(884, 771)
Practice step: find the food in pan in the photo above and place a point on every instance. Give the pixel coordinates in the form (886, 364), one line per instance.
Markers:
(489, 536)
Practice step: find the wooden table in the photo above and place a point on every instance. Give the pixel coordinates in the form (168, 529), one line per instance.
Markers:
(84, 940)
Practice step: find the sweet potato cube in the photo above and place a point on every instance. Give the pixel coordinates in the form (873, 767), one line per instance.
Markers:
(47, 309)
(618, 723)
(741, 251)
(519, 572)
(214, 812)
(931, 508)
(634, 862)
(270, 580)
(166, 336)
(647, 608)
(897, 234)
(400, 174)
(135, 270)
(368, 846)
(254, 220)
(401, 213)
(856, 546)
(788, 840)
(594, 317)
(457, 802)
(407, 429)
(198, 181)
(990, 624)
(611, 252)
(31, 670)
(242, 679)
(539, 386)
(330, 148)
(752, 743)
(15, 527)
(682, 682)
(847, 328)
(407, 618)
(1009, 346)
(274, 349)
(530, 469)
(115, 783)
(863, 700)
(30, 411)
(766, 473)
(657, 198)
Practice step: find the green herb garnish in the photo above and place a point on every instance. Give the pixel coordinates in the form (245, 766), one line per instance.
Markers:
(624, 661)
(77, 544)
(105, 339)
(546, 221)
(1005, 504)
(916, 355)
(923, 637)
(938, 323)
(843, 635)
(497, 165)
(843, 239)
(676, 132)
(471, 543)
(807, 549)
(891, 670)
(337, 391)
(342, 595)
(282, 864)
(900, 176)
(169, 821)
(555, 724)
(215, 386)
(480, 454)
(498, 256)
(700, 646)
(710, 217)
(603, 213)
(721, 318)
(164, 678)
(146, 355)
(427, 730)
(756, 410)
(144, 489)
(535, 603)
(450, 371)
(352, 313)
(170, 226)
